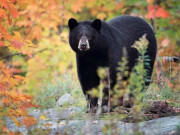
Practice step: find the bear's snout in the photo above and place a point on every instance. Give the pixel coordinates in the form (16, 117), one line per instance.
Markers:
(83, 44)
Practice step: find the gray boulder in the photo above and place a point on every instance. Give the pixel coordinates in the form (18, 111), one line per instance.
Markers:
(65, 99)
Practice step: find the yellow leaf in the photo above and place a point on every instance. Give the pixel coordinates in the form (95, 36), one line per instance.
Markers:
(29, 43)
(12, 82)
(17, 36)
(101, 16)
(43, 117)
(15, 120)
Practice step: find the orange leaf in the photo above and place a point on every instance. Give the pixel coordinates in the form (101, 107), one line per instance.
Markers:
(165, 42)
(2, 13)
(77, 6)
(169, 100)
(6, 35)
(5, 101)
(29, 121)
(5, 129)
(36, 32)
(150, 1)
(30, 105)
(19, 77)
(13, 11)
(120, 5)
(12, 1)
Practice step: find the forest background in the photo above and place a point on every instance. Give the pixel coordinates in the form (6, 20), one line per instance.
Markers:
(34, 50)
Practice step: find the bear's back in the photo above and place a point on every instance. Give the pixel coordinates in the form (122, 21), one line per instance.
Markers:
(130, 28)
(130, 22)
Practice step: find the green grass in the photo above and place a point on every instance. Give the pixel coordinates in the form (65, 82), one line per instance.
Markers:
(157, 92)
(58, 87)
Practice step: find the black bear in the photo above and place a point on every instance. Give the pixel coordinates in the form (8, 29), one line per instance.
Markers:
(100, 44)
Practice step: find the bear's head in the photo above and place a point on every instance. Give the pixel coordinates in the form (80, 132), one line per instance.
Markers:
(84, 36)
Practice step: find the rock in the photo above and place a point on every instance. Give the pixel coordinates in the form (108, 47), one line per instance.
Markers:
(59, 123)
(53, 116)
(65, 99)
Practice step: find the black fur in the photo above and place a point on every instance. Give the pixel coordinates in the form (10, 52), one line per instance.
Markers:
(106, 40)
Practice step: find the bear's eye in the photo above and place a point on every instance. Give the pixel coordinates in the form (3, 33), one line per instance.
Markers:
(92, 37)
(78, 36)
(89, 36)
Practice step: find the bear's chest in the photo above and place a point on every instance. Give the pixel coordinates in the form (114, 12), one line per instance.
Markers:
(99, 60)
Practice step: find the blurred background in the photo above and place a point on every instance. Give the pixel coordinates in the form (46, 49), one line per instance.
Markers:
(36, 61)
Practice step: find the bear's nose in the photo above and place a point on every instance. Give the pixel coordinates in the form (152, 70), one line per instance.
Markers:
(83, 46)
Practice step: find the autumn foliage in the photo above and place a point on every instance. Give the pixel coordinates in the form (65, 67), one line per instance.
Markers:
(34, 38)
(14, 102)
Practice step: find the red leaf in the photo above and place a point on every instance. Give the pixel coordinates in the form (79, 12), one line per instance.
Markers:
(17, 44)
(4, 3)
(2, 86)
(164, 60)
(14, 70)
(161, 13)
(2, 43)
(27, 52)
(151, 12)
(1, 35)
(156, 11)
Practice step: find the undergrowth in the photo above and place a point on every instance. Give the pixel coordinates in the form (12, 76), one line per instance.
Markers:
(67, 83)
(59, 86)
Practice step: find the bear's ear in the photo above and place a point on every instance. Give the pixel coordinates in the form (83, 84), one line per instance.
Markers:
(72, 23)
(97, 24)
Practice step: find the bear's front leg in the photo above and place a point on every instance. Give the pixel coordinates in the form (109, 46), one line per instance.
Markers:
(88, 79)
(109, 102)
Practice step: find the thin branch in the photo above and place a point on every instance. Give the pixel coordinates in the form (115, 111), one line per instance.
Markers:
(109, 88)
(9, 56)
(169, 59)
